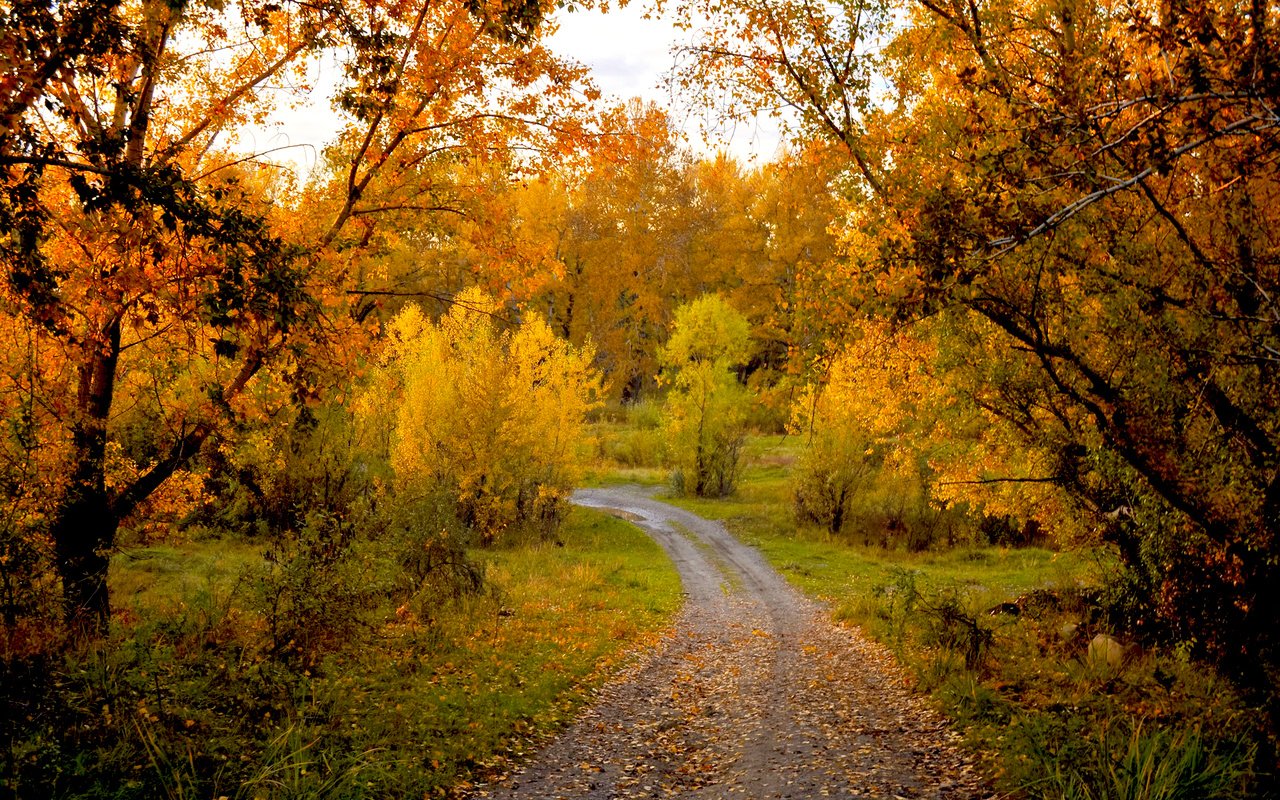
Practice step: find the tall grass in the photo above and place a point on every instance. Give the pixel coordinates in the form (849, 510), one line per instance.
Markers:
(1127, 761)
(638, 440)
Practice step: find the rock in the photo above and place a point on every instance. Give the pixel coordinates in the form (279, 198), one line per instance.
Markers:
(1068, 630)
(1012, 609)
(1104, 649)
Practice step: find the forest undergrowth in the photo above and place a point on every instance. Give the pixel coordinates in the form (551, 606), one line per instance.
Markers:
(1013, 641)
(190, 698)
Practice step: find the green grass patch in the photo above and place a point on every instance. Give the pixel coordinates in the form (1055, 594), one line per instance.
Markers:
(630, 445)
(165, 579)
(490, 677)
(187, 699)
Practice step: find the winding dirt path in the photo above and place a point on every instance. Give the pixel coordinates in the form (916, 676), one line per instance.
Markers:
(754, 694)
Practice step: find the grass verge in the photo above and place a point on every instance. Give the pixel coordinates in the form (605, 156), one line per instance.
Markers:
(185, 701)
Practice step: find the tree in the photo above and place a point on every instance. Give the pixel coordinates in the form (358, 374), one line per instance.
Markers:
(894, 409)
(1120, 248)
(1092, 190)
(706, 409)
(601, 242)
(644, 226)
(812, 65)
(492, 417)
(858, 416)
(611, 244)
(624, 247)
(150, 268)
(795, 292)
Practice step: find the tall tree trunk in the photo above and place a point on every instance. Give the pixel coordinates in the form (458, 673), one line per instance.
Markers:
(84, 526)
(84, 532)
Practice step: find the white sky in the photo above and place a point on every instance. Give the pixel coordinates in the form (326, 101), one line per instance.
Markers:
(628, 56)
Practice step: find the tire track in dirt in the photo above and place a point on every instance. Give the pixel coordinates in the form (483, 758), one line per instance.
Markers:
(754, 694)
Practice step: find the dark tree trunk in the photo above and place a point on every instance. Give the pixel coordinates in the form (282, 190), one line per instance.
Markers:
(84, 527)
(837, 517)
(84, 532)
(566, 324)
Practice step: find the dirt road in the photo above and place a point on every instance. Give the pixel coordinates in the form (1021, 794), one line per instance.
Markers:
(754, 694)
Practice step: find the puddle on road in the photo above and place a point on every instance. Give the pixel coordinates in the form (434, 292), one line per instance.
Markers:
(629, 516)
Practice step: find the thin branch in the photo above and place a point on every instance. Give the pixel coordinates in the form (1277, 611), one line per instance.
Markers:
(248, 158)
(446, 299)
(1009, 243)
(239, 92)
(63, 163)
(364, 212)
(162, 331)
(983, 481)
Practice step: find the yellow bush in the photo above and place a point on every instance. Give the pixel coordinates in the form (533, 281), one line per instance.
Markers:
(705, 414)
(488, 412)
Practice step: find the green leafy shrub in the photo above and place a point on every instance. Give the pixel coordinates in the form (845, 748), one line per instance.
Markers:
(637, 448)
(949, 624)
(428, 542)
(269, 477)
(705, 414)
(29, 590)
(898, 598)
(316, 588)
(828, 477)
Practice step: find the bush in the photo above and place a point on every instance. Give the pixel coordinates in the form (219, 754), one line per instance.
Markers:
(429, 545)
(491, 416)
(948, 624)
(272, 476)
(635, 448)
(715, 467)
(29, 590)
(847, 430)
(316, 588)
(644, 415)
(828, 478)
(705, 415)
(176, 707)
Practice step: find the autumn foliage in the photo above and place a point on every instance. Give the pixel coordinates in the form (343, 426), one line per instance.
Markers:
(1081, 198)
(166, 282)
(487, 411)
(1019, 265)
(705, 417)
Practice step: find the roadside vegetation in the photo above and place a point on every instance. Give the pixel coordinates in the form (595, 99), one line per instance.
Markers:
(391, 600)
(1017, 642)
(192, 696)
